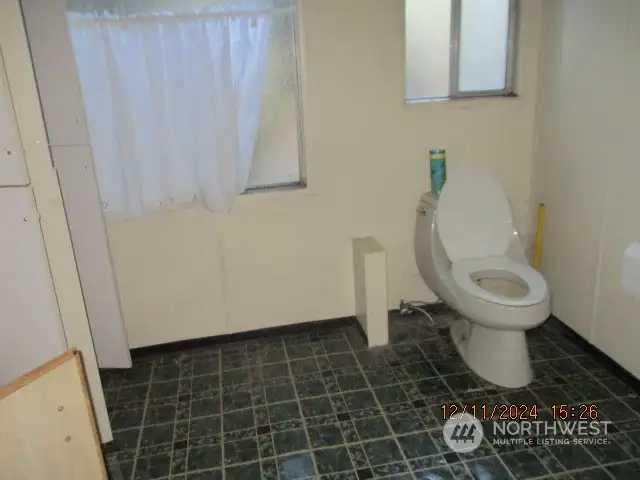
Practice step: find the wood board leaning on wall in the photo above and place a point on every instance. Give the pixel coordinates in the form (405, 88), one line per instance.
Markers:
(48, 425)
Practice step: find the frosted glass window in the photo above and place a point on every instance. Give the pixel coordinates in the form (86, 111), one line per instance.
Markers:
(428, 34)
(277, 156)
(459, 48)
(484, 36)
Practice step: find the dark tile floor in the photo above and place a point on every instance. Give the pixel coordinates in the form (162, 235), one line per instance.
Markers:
(320, 405)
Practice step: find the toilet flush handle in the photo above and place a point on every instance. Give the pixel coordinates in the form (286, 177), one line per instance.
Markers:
(421, 210)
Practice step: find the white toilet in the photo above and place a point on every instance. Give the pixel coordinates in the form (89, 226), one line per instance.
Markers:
(469, 254)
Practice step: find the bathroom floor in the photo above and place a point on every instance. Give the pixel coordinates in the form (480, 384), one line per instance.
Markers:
(320, 405)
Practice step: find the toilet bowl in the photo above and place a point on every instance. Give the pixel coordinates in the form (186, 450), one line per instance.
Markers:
(469, 253)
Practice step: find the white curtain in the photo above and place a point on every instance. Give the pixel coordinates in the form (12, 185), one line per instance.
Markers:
(172, 104)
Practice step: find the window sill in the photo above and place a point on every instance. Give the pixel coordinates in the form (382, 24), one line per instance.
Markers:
(276, 192)
(461, 100)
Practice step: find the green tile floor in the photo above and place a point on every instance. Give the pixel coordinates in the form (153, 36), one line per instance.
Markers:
(318, 404)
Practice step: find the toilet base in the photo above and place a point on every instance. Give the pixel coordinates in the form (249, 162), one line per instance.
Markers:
(499, 356)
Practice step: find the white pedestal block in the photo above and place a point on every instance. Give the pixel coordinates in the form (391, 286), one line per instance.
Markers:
(370, 279)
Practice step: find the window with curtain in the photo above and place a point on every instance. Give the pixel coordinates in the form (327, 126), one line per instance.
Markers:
(188, 101)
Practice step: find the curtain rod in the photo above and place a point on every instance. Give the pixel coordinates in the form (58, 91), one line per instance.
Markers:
(141, 17)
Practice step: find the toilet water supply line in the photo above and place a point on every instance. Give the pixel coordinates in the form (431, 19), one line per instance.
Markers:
(406, 308)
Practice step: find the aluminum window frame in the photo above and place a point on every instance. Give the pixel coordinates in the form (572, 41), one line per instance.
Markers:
(454, 58)
(302, 169)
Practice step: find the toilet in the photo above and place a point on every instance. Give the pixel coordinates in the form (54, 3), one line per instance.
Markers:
(469, 254)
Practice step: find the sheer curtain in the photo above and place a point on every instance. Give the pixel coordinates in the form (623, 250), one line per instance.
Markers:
(172, 104)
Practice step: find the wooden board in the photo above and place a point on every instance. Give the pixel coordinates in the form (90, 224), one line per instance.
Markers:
(30, 326)
(91, 249)
(48, 428)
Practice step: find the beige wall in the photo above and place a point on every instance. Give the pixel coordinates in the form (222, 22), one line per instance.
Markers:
(587, 167)
(285, 257)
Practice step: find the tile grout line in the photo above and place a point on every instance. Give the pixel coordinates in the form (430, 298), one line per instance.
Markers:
(115, 403)
(175, 417)
(359, 443)
(223, 472)
(259, 366)
(263, 350)
(144, 415)
(111, 417)
(601, 466)
(382, 411)
(454, 397)
(192, 366)
(299, 403)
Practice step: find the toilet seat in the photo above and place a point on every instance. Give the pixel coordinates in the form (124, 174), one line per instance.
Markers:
(475, 225)
(474, 215)
(462, 270)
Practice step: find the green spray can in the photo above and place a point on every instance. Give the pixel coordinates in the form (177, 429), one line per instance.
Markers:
(438, 169)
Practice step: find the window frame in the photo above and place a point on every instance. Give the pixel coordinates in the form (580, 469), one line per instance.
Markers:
(454, 59)
(302, 171)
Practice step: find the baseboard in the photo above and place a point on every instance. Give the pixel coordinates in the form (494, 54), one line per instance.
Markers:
(318, 325)
(293, 329)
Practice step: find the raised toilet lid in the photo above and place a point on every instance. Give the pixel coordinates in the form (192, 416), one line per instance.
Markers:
(474, 215)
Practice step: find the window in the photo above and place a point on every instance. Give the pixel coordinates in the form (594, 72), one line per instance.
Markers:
(278, 157)
(188, 99)
(459, 48)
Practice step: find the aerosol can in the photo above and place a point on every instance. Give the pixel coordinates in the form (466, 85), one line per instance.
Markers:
(438, 169)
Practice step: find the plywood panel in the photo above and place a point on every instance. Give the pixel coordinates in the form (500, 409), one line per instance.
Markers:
(13, 170)
(48, 431)
(31, 328)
